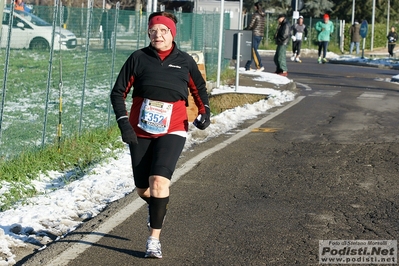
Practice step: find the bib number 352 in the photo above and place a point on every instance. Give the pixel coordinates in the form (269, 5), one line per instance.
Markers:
(155, 116)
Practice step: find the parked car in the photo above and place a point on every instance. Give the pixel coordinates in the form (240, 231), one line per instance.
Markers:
(31, 32)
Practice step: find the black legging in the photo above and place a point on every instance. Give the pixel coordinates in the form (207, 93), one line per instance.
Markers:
(155, 156)
(391, 47)
(323, 45)
(296, 47)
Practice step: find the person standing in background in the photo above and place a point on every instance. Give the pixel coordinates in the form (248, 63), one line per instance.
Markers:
(107, 26)
(300, 32)
(324, 28)
(21, 6)
(282, 37)
(157, 125)
(257, 26)
(354, 32)
(392, 38)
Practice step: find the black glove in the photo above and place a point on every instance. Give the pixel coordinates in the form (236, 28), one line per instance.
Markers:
(128, 134)
(203, 120)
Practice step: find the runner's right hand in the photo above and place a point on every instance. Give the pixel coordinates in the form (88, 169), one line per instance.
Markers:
(128, 134)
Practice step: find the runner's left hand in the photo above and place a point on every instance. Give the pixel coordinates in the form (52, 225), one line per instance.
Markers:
(203, 120)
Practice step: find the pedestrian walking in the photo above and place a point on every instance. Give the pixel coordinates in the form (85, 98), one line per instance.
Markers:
(157, 126)
(281, 37)
(324, 28)
(257, 25)
(299, 33)
(392, 38)
(107, 26)
(354, 32)
(20, 5)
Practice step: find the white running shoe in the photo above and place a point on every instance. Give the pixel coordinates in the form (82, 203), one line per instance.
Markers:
(153, 247)
(260, 69)
(298, 60)
(293, 57)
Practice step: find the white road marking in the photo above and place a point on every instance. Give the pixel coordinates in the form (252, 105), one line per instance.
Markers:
(325, 93)
(307, 87)
(73, 251)
(372, 95)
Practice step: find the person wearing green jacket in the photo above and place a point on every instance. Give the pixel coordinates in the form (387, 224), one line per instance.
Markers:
(324, 28)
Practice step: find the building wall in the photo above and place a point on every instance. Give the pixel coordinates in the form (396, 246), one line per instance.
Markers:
(233, 8)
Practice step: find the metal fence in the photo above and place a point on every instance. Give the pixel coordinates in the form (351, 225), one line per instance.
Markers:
(58, 92)
(46, 94)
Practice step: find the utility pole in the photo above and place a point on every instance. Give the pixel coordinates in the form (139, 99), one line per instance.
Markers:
(154, 5)
(238, 58)
(388, 11)
(2, 5)
(137, 6)
(353, 12)
(295, 13)
(220, 43)
(372, 27)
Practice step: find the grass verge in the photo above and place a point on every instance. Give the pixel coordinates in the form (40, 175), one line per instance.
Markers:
(76, 154)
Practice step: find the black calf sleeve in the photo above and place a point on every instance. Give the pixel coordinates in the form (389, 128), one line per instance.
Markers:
(146, 199)
(158, 207)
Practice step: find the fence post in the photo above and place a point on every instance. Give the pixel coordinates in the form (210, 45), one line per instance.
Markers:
(88, 22)
(49, 73)
(113, 46)
(267, 28)
(60, 84)
(310, 32)
(10, 23)
(342, 35)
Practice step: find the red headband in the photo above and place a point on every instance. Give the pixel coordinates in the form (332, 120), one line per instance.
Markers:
(165, 21)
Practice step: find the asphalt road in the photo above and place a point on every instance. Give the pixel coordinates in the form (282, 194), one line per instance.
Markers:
(328, 170)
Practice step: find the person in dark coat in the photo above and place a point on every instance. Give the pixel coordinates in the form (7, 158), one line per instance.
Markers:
(354, 32)
(107, 25)
(257, 26)
(282, 36)
(392, 38)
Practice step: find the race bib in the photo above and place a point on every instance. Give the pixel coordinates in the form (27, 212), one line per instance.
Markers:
(155, 116)
(298, 36)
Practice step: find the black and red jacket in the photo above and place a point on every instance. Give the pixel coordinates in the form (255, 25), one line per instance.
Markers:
(165, 80)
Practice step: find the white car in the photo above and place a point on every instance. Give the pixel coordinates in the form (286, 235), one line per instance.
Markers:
(32, 32)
